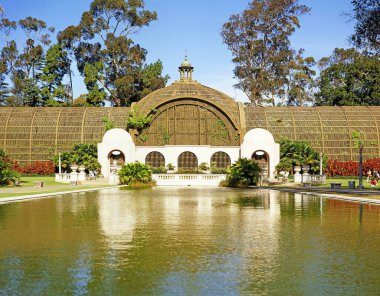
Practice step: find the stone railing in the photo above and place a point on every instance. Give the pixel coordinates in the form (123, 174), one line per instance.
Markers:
(188, 179)
(71, 177)
(314, 179)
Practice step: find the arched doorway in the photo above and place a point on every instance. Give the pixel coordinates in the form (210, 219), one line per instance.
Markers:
(155, 159)
(116, 160)
(187, 161)
(220, 160)
(263, 159)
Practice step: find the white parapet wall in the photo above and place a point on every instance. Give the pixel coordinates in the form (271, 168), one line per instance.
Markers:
(120, 140)
(188, 179)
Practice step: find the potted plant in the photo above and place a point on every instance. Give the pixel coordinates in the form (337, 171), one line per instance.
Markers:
(204, 168)
(170, 168)
(73, 167)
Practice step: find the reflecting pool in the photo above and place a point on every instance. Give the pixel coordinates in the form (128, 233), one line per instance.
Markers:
(187, 241)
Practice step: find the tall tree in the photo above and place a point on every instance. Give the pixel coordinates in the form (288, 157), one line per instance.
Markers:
(349, 77)
(110, 61)
(68, 39)
(367, 28)
(56, 66)
(301, 81)
(4, 90)
(259, 41)
(24, 58)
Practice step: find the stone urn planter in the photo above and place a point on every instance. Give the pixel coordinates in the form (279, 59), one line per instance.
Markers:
(305, 169)
(73, 167)
(82, 174)
(297, 169)
(297, 175)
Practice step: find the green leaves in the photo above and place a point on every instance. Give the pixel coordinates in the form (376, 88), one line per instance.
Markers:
(367, 27)
(81, 154)
(116, 73)
(135, 172)
(7, 175)
(243, 172)
(297, 153)
(259, 41)
(138, 121)
(349, 78)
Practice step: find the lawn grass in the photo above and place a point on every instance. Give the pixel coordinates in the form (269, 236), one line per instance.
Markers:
(50, 186)
(2, 195)
(344, 182)
(30, 181)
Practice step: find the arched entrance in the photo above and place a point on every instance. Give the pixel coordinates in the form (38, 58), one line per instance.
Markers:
(187, 161)
(116, 160)
(263, 159)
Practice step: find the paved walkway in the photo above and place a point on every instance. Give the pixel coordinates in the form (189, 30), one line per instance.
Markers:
(293, 187)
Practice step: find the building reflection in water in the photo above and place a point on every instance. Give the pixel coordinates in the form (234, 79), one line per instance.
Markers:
(117, 219)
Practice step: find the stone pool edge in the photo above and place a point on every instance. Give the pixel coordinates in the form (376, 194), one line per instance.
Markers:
(51, 194)
(329, 195)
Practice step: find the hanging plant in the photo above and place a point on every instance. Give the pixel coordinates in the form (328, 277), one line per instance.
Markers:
(138, 121)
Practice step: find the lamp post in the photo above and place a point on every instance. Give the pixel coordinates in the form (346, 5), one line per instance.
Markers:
(321, 163)
(59, 164)
(361, 146)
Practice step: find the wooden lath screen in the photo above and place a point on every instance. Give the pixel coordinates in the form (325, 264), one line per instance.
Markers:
(187, 161)
(155, 159)
(189, 124)
(220, 160)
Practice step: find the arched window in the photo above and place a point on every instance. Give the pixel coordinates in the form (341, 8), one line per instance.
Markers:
(155, 159)
(220, 160)
(187, 161)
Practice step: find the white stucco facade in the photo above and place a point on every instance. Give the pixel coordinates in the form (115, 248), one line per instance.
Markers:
(254, 140)
(259, 139)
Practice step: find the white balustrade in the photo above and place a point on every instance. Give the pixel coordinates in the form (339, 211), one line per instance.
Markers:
(188, 179)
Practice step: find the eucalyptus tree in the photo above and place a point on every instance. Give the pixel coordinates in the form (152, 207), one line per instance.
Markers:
(259, 41)
(367, 27)
(4, 90)
(301, 83)
(56, 66)
(349, 77)
(24, 57)
(110, 61)
(68, 39)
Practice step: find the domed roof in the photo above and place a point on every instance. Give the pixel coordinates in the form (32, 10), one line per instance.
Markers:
(186, 63)
(186, 89)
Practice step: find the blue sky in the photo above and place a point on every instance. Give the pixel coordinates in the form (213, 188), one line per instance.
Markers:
(195, 26)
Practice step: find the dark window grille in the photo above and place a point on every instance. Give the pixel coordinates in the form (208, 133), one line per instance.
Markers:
(220, 160)
(155, 159)
(187, 161)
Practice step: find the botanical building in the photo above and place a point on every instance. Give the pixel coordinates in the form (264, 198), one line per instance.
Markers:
(189, 114)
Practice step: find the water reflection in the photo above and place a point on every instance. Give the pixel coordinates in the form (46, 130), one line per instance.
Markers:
(117, 219)
(188, 241)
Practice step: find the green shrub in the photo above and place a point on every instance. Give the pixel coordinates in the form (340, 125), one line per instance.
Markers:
(170, 167)
(159, 170)
(243, 172)
(203, 166)
(215, 170)
(298, 153)
(135, 173)
(187, 171)
(7, 174)
(80, 154)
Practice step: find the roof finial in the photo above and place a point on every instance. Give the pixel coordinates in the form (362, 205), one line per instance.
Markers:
(186, 70)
